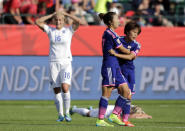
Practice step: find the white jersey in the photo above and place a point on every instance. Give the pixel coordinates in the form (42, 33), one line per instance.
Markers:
(94, 112)
(60, 43)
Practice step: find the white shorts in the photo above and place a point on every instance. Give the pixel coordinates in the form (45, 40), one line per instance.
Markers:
(60, 73)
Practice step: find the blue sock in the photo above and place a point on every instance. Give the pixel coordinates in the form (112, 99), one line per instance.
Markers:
(127, 107)
(102, 107)
(126, 110)
(120, 102)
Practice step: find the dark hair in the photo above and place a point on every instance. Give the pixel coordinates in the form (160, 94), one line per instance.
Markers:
(130, 26)
(107, 18)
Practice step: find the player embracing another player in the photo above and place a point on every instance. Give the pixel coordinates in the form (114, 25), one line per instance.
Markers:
(111, 72)
(126, 61)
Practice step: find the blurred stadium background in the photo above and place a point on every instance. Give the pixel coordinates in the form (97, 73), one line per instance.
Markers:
(25, 96)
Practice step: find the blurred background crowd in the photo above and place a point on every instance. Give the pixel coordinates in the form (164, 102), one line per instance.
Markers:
(145, 12)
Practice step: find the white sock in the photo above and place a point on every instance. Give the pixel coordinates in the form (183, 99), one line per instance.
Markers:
(81, 111)
(67, 101)
(59, 104)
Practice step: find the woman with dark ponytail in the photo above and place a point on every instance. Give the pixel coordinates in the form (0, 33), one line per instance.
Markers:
(111, 72)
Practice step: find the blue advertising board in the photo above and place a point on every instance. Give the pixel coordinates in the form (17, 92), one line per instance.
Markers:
(27, 78)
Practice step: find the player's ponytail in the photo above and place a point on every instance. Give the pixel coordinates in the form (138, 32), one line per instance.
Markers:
(107, 18)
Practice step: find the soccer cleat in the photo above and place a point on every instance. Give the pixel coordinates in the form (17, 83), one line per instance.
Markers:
(90, 108)
(103, 123)
(71, 110)
(114, 118)
(128, 123)
(60, 118)
(68, 117)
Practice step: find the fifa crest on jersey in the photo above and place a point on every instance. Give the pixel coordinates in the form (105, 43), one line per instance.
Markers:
(118, 41)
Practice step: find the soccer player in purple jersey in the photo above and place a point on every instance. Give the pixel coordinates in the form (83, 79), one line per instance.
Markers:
(132, 30)
(111, 71)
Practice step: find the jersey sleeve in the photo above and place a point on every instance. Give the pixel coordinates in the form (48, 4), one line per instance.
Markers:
(46, 28)
(115, 38)
(136, 48)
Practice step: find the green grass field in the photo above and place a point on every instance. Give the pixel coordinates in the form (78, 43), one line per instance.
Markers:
(41, 116)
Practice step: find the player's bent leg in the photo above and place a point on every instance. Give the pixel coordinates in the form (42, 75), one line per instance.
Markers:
(71, 111)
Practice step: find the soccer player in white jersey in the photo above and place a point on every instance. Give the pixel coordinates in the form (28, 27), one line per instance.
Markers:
(135, 112)
(60, 58)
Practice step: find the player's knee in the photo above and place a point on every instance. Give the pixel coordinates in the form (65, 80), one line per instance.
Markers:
(106, 91)
(129, 94)
(129, 97)
(65, 87)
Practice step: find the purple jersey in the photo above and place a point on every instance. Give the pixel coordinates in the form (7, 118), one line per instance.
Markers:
(134, 47)
(111, 72)
(127, 66)
(110, 40)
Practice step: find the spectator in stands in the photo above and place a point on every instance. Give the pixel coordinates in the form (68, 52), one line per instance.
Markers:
(136, 3)
(72, 11)
(29, 9)
(1, 10)
(66, 2)
(119, 10)
(114, 8)
(52, 5)
(88, 5)
(91, 17)
(140, 21)
(41, 10)
(78, 10)
(159, 19)
(145, 11)
(144, 7)
(1, 7)
(165, 4)
(12, 12)
(102, 6)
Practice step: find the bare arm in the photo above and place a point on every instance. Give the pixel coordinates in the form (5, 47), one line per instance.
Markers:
(126, 56)
(130, 56)
(93, 3)
(57, 5)
(16, 15)
(123, 49)
(84, 4)
(41, 21)
(29, 20)
(76, 21)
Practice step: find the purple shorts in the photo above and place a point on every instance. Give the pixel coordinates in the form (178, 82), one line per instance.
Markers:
(112, 76)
